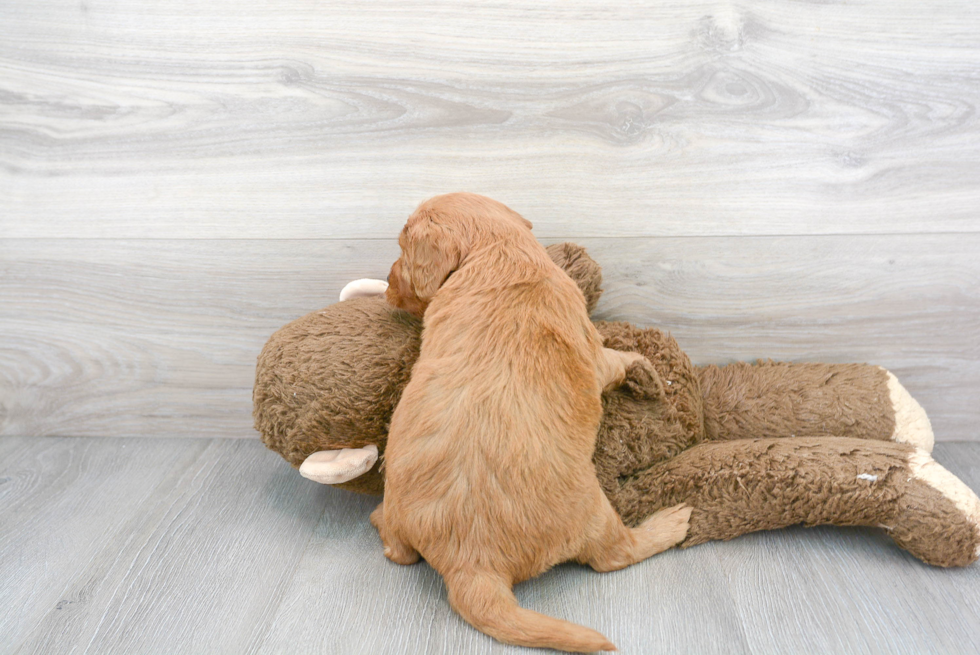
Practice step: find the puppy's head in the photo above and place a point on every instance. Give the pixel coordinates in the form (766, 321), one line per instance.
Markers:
(436, 240)
(430, 254)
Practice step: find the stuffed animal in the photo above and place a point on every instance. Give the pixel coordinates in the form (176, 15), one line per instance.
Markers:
(749, 447)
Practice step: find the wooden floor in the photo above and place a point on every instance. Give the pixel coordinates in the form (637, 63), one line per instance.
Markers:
(765, 179)
(217, 546)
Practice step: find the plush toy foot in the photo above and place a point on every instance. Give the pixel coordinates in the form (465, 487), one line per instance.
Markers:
(363, 287)
(912, 425)
(337, 466)
(940, 519)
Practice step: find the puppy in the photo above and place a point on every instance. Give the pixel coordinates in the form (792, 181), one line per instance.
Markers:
(488, 468)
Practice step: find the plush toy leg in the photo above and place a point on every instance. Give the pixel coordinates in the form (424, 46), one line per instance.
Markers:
(761, 484)
(778, 399)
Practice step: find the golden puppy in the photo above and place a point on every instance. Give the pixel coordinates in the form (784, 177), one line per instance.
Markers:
(488, 468)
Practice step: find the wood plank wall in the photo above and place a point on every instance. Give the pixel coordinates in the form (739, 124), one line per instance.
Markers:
(787, 180)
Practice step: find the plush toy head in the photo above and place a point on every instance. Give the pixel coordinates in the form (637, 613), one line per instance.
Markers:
(329, 381)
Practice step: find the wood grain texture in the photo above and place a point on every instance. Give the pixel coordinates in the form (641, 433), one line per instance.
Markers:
(62, 503)
(332, 120)
(167, 545)
(159, 337)
(644, 609)
(177, 180)
(187, 547)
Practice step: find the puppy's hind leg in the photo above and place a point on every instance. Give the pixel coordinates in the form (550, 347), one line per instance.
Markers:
(396, 550)
(611, 546)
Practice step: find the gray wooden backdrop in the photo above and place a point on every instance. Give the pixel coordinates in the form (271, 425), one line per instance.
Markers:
(788, 180)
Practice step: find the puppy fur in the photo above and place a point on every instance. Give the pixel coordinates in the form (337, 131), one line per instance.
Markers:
(488, 467)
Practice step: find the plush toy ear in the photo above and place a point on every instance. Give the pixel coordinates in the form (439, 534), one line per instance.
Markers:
(336, 466)
(585, 272)
(363, 287)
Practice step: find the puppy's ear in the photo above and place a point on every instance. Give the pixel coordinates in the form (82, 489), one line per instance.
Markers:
(527, 223)
(431, 255)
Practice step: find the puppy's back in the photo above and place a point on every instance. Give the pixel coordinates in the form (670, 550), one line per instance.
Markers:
(500, 419)
(489, 473)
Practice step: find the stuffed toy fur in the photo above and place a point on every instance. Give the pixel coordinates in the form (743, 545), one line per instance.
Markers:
(749, 447)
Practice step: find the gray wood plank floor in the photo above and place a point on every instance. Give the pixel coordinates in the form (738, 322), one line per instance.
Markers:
(217, 546)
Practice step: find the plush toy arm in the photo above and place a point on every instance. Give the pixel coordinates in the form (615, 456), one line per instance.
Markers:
(777, 399)
(737, 487)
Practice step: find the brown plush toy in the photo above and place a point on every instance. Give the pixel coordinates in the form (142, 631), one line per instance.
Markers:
(749, 447)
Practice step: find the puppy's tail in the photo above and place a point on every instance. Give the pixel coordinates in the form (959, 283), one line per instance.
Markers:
(486, 601)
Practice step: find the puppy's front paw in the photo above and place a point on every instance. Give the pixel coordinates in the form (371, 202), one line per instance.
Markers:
(642, 380)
